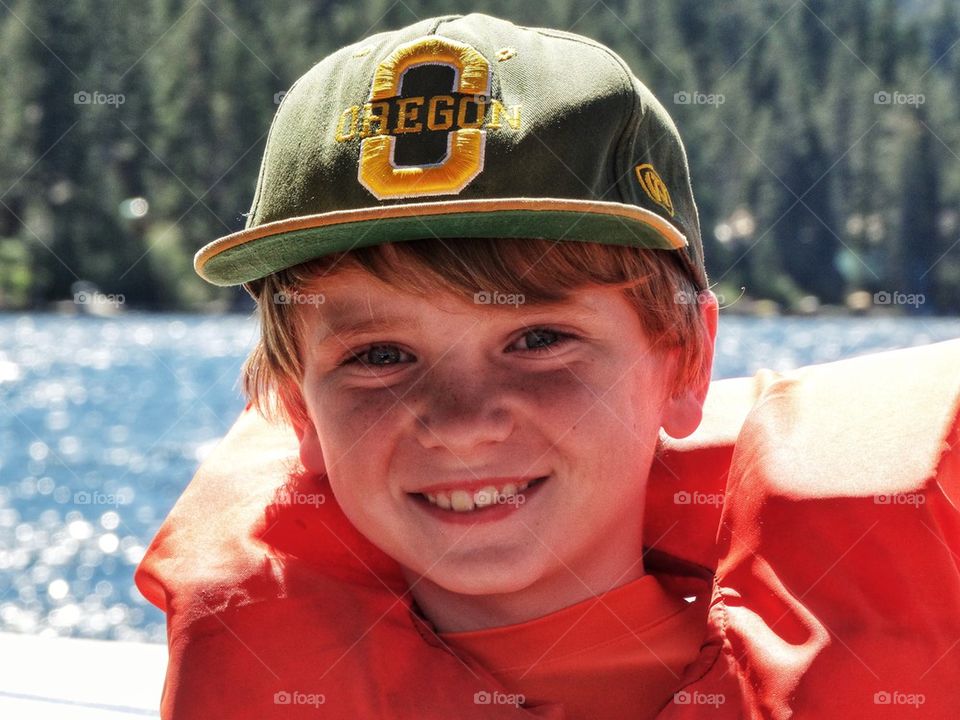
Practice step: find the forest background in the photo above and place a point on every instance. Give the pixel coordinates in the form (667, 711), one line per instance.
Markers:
(823, 137)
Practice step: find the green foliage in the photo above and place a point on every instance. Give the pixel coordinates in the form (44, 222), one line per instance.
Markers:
(806, 183)
(14, 273)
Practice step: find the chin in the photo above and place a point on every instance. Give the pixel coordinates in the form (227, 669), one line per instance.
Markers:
(497, 578)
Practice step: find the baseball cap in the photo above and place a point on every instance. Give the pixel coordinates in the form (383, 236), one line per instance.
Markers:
(459, 127)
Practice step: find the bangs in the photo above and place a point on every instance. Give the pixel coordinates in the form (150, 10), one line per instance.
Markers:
(541, 271)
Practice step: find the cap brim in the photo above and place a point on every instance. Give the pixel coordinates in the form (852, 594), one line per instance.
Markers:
(259, 251)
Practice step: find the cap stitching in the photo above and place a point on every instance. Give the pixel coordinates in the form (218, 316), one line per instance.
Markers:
(623, 146)
(440, 21)
(627, 89)
(258, 193)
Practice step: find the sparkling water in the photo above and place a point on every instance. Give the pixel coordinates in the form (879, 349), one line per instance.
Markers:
(103, 422)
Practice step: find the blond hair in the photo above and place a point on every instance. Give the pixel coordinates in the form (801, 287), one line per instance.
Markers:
(653, 281)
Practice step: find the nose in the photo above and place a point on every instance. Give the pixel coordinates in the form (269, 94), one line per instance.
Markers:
(461, 409)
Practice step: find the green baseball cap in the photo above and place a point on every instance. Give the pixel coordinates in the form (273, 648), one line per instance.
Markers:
(464, 127)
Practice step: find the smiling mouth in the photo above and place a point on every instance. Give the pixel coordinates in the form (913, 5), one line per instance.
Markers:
(462, 501)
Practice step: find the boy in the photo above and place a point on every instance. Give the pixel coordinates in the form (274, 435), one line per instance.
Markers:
(477, 262)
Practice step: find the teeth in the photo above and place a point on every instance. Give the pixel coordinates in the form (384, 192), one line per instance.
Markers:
(462, 501)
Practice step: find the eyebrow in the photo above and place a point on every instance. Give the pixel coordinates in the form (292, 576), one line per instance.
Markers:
(344, 324)
(342, 317)
(345, 320)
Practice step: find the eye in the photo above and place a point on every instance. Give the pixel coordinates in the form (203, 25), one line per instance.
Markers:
(376, 356)
(542, 339)
(384, 355)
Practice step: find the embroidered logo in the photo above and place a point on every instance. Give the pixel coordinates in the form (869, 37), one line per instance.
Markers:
(423, 130)
(654, 187)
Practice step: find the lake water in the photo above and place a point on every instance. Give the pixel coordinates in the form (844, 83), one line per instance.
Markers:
(103, 422)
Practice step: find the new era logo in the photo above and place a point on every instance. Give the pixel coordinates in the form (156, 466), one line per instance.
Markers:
(653, 186)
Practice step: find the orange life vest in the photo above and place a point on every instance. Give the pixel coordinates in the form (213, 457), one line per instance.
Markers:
(831, 566)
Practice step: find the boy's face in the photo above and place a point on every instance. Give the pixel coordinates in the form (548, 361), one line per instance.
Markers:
(457, 395)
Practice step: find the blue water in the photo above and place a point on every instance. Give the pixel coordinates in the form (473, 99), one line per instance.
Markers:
(103, 422)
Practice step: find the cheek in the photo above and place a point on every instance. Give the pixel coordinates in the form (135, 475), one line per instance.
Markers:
(357, 444)
(355, 432)
(366, 409)
(595, 407)
(613, 420)
(571, 413)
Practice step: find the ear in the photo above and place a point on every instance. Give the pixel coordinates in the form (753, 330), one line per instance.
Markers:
(682, 414)
(311, 455)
